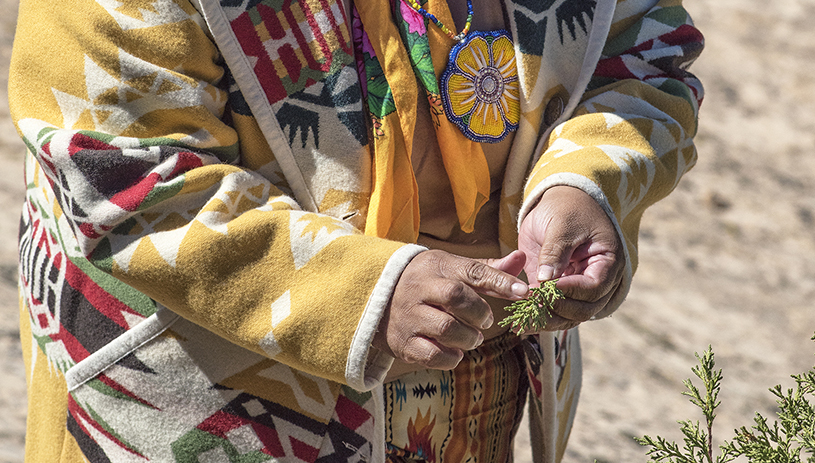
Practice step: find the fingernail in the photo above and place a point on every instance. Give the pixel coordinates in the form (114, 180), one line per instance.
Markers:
(480, 339)
(519, 289)
(545, 272)
(487, 323)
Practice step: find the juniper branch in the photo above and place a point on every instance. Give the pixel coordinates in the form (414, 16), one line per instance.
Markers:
(698, 438)
(533, 312)
(789, 439)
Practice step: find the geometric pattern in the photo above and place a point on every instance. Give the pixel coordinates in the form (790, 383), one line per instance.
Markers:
(532, 18)
(281, 308)
(106, 196)
(657, 49)
(251, 427)
(466, 414)
(323, 423)
(637, 176)
(287, 42)
(75, 309)
(116, 102)
(351, 423)
(310, 233)
(247, 428)
(299, 63)
(149, 14)
(629, 145)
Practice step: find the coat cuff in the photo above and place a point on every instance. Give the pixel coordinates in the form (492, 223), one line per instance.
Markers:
(367, 366)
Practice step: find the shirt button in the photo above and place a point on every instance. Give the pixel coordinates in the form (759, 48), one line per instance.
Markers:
(554, 109)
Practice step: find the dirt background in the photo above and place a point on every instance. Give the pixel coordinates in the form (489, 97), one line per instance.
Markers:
(727, 260)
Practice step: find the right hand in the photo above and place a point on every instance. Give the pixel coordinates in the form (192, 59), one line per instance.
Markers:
(436, 312)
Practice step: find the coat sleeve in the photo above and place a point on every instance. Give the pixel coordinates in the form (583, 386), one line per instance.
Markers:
(631, 139)
(122, 104)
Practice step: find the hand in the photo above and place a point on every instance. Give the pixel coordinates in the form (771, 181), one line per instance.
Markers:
(436, 312)
(567, 235)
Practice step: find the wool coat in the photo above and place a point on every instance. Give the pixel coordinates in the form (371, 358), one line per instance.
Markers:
(218, 208)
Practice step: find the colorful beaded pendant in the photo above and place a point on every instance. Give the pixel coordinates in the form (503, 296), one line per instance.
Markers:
(479, 86)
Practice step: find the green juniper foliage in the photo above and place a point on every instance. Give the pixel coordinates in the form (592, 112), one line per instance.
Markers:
(531, 313)
(782, 441)
(698, 441)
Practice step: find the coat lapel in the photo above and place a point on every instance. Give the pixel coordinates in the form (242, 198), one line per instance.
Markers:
(293, 60)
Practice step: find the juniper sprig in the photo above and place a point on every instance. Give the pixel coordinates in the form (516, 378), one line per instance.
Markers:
(531, 313)
(698, 438)
(789, 439)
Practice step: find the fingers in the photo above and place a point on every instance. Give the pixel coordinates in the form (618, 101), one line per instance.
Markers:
(512, 263)
(460, 301)
(585, 297)
(593, 278)
(561, 239)
(565, 227)
(578, 310)
(555, 253)
(431, 354)
(444, 330)
(484, 279)
(569, 313)
(436, 311)
(427, 336)
(571, 238)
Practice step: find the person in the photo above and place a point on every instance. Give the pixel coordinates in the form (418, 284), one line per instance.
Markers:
(287, 230)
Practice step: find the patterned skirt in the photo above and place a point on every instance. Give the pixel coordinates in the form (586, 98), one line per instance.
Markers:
(469, 414)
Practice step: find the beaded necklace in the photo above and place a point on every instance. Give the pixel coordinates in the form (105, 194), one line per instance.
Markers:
(479, 86)
(458, 38)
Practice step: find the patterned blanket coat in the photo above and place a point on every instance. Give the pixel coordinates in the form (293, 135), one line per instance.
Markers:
(214, 223)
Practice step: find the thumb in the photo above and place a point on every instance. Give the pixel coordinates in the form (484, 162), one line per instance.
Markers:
(555, 252)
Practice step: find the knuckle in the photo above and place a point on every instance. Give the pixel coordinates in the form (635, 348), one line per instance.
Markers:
(434, 258)
(412, 351)
(424, 262)
(421, 352)
(595, 297)
(447, 327)
(553, 248)
(455, 292)
(481, 275)
(475, 271)
(585, 293)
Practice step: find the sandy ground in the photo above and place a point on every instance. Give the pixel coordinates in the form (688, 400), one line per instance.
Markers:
(727, 260)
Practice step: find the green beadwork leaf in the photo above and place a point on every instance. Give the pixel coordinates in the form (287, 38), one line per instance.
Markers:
(423, 67)
(380, 96)
(418, 47)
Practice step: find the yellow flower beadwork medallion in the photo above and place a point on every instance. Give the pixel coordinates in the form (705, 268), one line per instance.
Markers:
(479, 87)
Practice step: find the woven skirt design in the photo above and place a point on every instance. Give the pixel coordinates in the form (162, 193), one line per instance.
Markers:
(469, 414)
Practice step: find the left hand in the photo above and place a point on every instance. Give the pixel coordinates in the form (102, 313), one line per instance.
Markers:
(567, 235)
(511, 264)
